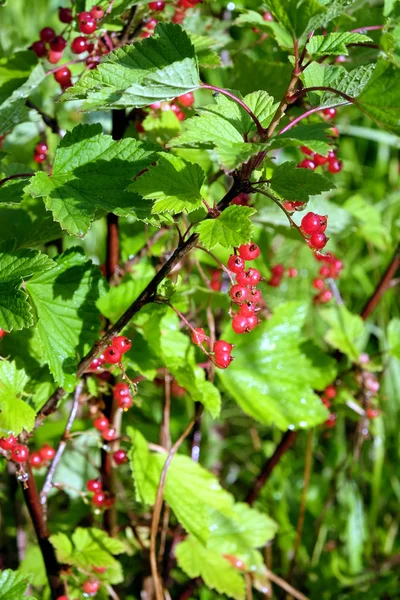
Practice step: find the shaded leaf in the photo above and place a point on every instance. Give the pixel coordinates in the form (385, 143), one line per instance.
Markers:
(294, 183)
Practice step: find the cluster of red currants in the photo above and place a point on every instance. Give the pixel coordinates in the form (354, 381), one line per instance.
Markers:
(176, 105)
(19, 453)
(90, 587)
(100, 498)
(221, 350)
(313, 227)
(181, 7)
(42, 457)
(113, 354)
(332, 267)
(245, 292)
(40, 152)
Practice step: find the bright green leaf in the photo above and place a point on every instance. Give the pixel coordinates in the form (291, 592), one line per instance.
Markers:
(294, 183)
(383, 107)
(334, 43)
(347, 333)
(87, 548)
(15, 414)
(13, 586)
(394, 337)
(232, 228)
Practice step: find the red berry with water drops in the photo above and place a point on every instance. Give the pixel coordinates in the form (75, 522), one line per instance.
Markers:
(112, 355)
(329, 113)
(96, 363)
(317, 241)
(120, 457)
(58, 43)
(20, 453)
(47, 34)
(223, 360)
(331, 420)
(62, 75)
(94, 485)
(39, 48)
(84, 16)
(198, 336)
(239, 323)
(249, 251)
(125, 403)
(101, 423)
(222, 347)
(97, 12)
(121, 343)
(236, 264)
(98, 498)
(157, 5)
(325, 296)
(65, 15)
(313, 223)
(47, 452)
(121, 390)
(292, 272)
(186, 100)
(36, 460)
(239, 293)
(8, 443)
(79, 44)
(307, 163)
(91, 587)
(108, 434)
(41, 147)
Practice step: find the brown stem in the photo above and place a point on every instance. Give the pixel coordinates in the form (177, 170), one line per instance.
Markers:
(112, 245)
(144, 298)
(285, 585)
(383, 285)
(321, 88)
(52, 566)
(280, 111)
(49, 121)
(15, 177)
(125, 33)
(286, 442)
(157, 509)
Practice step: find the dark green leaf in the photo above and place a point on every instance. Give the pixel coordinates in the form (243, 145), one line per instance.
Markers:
(294, 183)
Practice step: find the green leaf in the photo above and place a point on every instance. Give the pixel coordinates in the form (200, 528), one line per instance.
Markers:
(274, 373)
(383, 107)
(87, 548)
(347, 333)
(232, 228)
(17, 266)
(233, 155)
(313, 136)
(162, 127)
(64, 300)
(29, 224)
(88, 169)
(294, 183)
(158, 68)
(174, 184)
(19, 76)
(198, 561)
(334, 43)
(255, 19)
(296, 15)
(13, 586)
(15, 414)
(394, 337)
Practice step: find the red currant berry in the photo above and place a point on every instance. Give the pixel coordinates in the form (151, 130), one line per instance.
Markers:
(239, 293)
(94, 485)
(98, 498)
(330, 392)
(313, 223)
(87, 26)
(121, 343)
(289, 206)
(47, 34)
(335, 166)
(120, 457)
(318, 284)
(125, 403)
(100, 570)
(96, 363)
(198, 336)
(39, 48)
(292, 272)
(372, 413)
(253, 276)
(252, 322)
(121, 390)
(62, 75)
(242, 199)
(222, 347)
(108, 434)
(372, 384)
(8, 443)
(39, 157)
(41, 147)
(236, 264)
(79, 44)
(275, 281)
(239, 323)
(97, 12)
(47, 452)
(247, 309)
(267, 16)
(151, 24)
(101, 423)
(65, 15)
(278, 269)
(324, 271)
(329, 113)
(54, 57)
(331, 420)
(157, 5)
(325, 296)
(155, 105)
(186, 100)
(223, 360)
(326, 402)
(249, 251)
(20, 453)
(84, 16)
(318, 241)
(254, 296)
(306, 151)
(319, 160)
(58, 43)
(307, 164)
(36, 460)
(62, 598)
(177, 390)
(112, 355)
(91, 587)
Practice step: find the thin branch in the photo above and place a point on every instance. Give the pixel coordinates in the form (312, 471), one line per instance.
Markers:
(285, 585)
(47, 119)
(308, 113)
(286, 442)
(260, 128)
(383, 285)
(125, 33)
(280, 111)
(48, 482)
(157, 509)
(322, 88)
(367, 28)
(15, 177)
